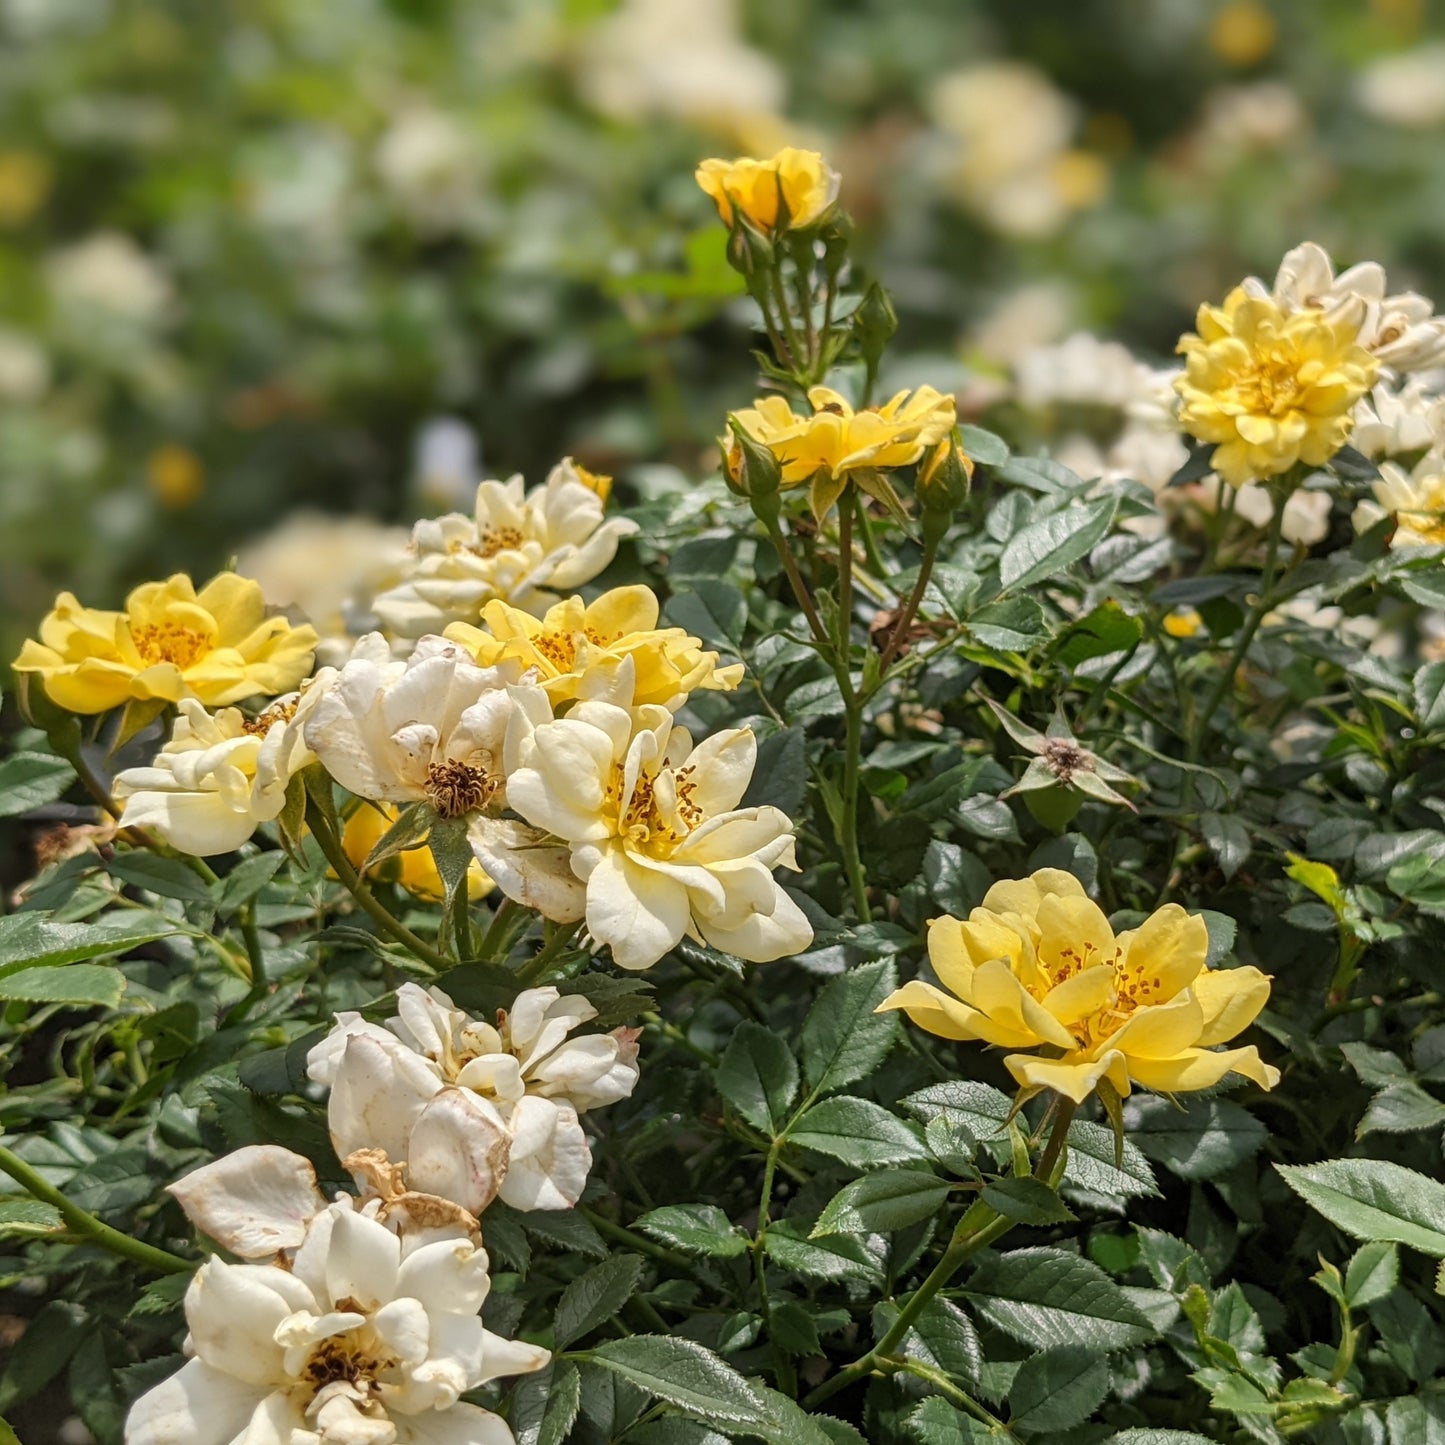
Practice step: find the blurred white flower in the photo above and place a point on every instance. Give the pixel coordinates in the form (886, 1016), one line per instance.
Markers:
(221, 775)
(24, 368)
(518, 545)
(109, 273)
(1034, 315)
(476, 1109)
(1402, 331)
(683, 62)
(1405, 90)
(431, 168)
(444, 469)
(361, 558)
(1416, 500)
(368, 1337)
(654, 828)
(427, 729)
(1082, 370)
(1306, 512)
(1394, 420)
(1006, 133)
(1261, 115)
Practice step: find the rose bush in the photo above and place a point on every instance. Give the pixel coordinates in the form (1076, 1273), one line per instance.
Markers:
(607, 1124)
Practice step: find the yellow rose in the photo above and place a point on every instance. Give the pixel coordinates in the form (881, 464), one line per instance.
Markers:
(1038, 969)
(836, 439)
(574, 639)
(789, 192)
(413, 868)
(1271, 389)
(216, 645)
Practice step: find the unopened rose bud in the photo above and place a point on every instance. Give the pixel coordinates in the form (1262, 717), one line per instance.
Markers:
(752, 471)
(874, 323)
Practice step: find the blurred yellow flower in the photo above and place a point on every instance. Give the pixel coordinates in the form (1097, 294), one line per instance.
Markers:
(216, 645)
(1082, 178)
(1271, 389)
(576, 647)
(413, 868)
(25, 179)
(175, 475)
(1242, 33)
(792, 190)
(1183, 622)
(1037, 968)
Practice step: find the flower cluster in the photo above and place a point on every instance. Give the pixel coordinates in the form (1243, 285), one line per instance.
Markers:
(1038, 969)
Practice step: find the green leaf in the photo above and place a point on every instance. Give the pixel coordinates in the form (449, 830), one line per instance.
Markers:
(1146, 1436)
(936, 1422)
(942, 1336)
(1401, 1108)
(1202, 1140)
(1430, 695)
(1091, 1164)
(1028, 1201)
(888, 1200)
(30, 940)
(758, 1076)
(983, 446)
(1048, 1297)
(1048, 546)
(1374, 1199)
(845, 1038)
(860, 1133)
(545, 1405)
(1011, 624)
(684, 1374)
(43, 1351)
(31, 780)
(716, 611)
(1228, 840)
(1372, 1273)
(27, 1218)
(78, 984)
(836, 1257)
(695, 1229)
(595, 1297)
(1057, 1389)
(163, 1294)
(979, 1108)
(247, 879)
(780, 777)
(1106, 630)
(566, 1229)
(166, 877)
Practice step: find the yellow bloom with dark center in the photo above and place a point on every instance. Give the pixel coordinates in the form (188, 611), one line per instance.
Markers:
(792, 190)
(413, 868)
(575, 644)
(217, 645)
(1271, 389)
(1038, 970)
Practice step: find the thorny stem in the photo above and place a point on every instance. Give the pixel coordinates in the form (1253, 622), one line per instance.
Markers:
(536, 968)
(910, 608)
(82, 1222)
(390, 925)
(622, 1235)
(800, 588)
(979, 1227)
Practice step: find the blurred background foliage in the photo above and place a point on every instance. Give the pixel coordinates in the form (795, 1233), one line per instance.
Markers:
(252, 251)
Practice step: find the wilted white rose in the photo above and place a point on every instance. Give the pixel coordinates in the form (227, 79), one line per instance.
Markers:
(367, 1337)
(476, 1109)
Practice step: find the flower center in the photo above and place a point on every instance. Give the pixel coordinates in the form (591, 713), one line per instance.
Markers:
(354, 1358)
(455, 787)
(559, 648)
(262, 723)
(497, 539)
(1271, 384)
(644, 824)
(170, 642)
(1065, 758)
